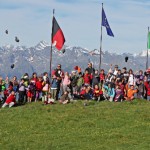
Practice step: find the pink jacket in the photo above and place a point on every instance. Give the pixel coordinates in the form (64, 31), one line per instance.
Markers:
(66, 80)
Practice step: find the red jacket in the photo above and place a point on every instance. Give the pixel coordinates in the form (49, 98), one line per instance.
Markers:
(122, 87)
(83, 91)
(39, 86)
(147, 85)
(87, 78)
(10, 99)
(102, 76)
(97, 92)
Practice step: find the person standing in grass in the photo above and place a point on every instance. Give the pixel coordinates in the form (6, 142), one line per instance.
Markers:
(96, 78)
(15, 84)
(102, 77)
(147, 86)
(30, 91)
(22, 91)
(66, 82)
(54, 85)
(58, 72)
(38, 88)
(87, 78)
(80, 82)
(90, 71)
(74, 79)
(34, 79)
(10, 100)
(45, 90)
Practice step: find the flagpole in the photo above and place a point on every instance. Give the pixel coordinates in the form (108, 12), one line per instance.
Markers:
(100, 58)
(147, 49)
(51, 47)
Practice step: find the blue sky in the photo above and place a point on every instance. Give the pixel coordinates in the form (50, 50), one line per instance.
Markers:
(80, 21)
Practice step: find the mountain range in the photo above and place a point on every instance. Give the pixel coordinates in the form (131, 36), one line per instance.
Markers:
(37, 59)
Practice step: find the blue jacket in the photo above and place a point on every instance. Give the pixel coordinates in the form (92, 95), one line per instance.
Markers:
(110, 91)
(54, 84)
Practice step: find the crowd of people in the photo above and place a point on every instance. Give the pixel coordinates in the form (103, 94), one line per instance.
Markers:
(115, 85)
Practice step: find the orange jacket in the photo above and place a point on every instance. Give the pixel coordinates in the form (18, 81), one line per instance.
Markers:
(131, 92)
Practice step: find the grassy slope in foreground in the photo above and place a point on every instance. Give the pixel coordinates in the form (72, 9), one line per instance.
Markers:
(103, 125)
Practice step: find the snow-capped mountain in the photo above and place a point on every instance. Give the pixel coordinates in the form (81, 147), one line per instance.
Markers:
(37, 59)
(144, 53)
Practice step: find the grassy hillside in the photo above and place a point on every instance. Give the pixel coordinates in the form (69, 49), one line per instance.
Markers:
(98, 126)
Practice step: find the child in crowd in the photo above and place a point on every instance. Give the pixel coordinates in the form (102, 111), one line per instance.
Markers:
(54, 86)
(49, 100)
(80, 82)
(66, 82)
(15, 84)
(109, 92)
(86, 93)
(10, 100)
(130, 93)
(45, 90)
(8, 90)
(141, 89)
(102, 77)
(87, 78)
(97, 93)
(96, 79)
(119, 94)
(73, 79)
(147, 85)
(30, 91)
(83, 92)
(22, 91)
(64, 99)
(38, 88)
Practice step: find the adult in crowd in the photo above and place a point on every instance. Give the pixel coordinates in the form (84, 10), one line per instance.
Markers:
(59, 75)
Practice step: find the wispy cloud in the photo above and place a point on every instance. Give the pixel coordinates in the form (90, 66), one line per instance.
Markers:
(79, 20)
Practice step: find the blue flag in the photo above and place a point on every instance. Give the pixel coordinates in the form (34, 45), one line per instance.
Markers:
(106, 24)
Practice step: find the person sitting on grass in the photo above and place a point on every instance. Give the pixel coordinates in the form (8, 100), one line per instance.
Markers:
(97, 93)
(49, 100)
(109, 92)
(86, 93)
(64, 99)
(11, 100)
(8, 90)
(118, 94)
(130, 93)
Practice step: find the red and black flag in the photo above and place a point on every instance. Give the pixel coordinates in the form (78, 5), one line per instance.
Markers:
(58, 38)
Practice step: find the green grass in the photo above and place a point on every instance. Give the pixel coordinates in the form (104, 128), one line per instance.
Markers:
(98, 126)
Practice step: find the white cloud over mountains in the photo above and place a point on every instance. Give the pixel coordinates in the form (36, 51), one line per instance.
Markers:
(80, 22)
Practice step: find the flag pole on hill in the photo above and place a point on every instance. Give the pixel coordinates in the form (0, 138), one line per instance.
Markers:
(51, 46)
(104, 22)
(57, 39)
(148, 47)
(101, 38)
